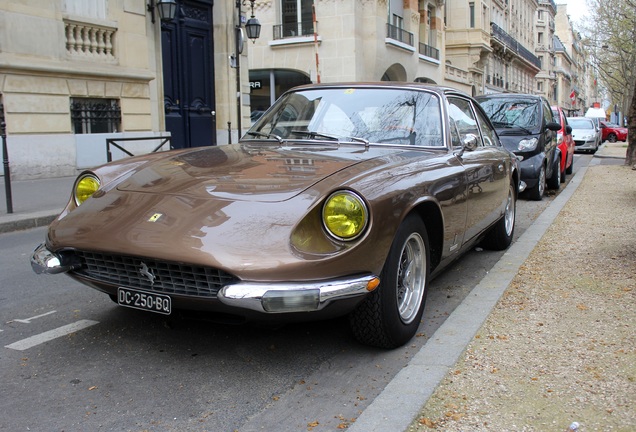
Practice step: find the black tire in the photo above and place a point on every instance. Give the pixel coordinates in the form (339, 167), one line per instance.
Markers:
(612, 137)
(570, 169)
(554, 182)
(390, 316)
(536, 193)
(500, 235)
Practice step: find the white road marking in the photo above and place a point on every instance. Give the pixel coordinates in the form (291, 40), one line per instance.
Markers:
(38, 339)
(28, 320)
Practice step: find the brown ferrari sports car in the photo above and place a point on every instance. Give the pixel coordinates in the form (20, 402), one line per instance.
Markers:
(341, 199)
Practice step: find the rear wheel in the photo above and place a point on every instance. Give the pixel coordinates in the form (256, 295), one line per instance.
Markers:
(612, 137)
(390, 316)
(554, 182)
(500, 235)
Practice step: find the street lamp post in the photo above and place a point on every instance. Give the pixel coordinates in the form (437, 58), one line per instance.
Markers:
(253, 30)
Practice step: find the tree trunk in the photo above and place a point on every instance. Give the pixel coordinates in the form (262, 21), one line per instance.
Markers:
(630, 156)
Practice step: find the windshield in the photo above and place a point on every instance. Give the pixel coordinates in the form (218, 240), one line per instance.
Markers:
(509, 112)
(580, 123)
(378, 115)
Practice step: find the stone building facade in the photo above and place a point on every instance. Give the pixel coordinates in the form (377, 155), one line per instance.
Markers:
(74, 73)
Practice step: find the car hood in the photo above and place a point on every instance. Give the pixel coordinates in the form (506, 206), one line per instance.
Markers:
(583, 132)
(260, 172)
(230, 207)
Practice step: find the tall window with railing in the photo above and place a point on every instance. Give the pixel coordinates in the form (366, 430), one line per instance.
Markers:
(93, 115)
(297, 18)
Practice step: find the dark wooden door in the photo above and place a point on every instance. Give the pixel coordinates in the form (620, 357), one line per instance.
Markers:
(188, 72)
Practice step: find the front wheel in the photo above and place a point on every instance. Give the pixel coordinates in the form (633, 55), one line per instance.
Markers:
(390, 316)
(536, 193)
(611, 138)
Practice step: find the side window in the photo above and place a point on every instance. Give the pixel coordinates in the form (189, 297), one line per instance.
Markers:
(461, 117)
(547, 112)
(490, 136)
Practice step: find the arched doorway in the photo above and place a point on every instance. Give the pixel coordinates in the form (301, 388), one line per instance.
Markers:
(187, 49)
(395, 72)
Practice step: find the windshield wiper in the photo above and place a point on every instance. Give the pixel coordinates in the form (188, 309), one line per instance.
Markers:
(511, 125)
(312, 134)
(265, 135)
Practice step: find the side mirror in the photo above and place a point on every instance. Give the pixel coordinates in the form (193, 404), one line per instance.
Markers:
(553, 126)
(470, 142)
(568, 130)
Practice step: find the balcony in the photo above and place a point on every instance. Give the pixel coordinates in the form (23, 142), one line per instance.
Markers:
(550, 3)
(292, 30)
(429, 51)
(398, 34)
(511, 43)
(89, 41)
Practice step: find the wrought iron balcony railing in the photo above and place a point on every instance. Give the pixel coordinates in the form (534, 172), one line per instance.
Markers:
(429, 51)
(290, 30)
(512, 44)
(398, 34)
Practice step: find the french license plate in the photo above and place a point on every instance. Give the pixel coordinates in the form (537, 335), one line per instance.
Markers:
(144, 300)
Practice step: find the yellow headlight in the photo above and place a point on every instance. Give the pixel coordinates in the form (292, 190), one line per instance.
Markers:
(85, 187)
(345, 215)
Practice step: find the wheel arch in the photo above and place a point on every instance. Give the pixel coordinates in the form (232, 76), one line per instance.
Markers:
(430, 213)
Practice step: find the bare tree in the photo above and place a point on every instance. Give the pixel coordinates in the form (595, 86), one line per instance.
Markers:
(630, 156)
(611, 38)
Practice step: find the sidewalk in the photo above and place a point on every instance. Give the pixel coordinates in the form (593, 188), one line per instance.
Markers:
(35, 202)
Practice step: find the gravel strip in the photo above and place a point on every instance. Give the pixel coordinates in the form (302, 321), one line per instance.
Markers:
(560, 346)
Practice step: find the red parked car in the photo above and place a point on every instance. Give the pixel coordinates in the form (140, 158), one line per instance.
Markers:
(565, 142)
(613, 132)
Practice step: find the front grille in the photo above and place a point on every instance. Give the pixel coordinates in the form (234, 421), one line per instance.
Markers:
(169, 277)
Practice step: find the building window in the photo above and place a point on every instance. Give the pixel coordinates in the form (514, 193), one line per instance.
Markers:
(471, 6)
(432, 35)
(91, 116)
(540, 86)
(297, 18)
(540, 38)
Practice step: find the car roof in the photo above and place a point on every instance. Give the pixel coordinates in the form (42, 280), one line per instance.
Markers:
(440, 89)
(509, 96)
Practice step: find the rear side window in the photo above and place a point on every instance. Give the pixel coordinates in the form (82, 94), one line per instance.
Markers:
(490, 136)
(547, 113)
(462, 120)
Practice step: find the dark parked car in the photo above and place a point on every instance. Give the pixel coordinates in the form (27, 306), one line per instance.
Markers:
(341, 199)
(526, 127)
(612, 132)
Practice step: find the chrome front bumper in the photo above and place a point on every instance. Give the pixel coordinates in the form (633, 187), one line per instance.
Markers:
(45, 261)
(280, 297)
(272, 297)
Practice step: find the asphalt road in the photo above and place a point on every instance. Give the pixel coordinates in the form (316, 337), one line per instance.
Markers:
(72, 360)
